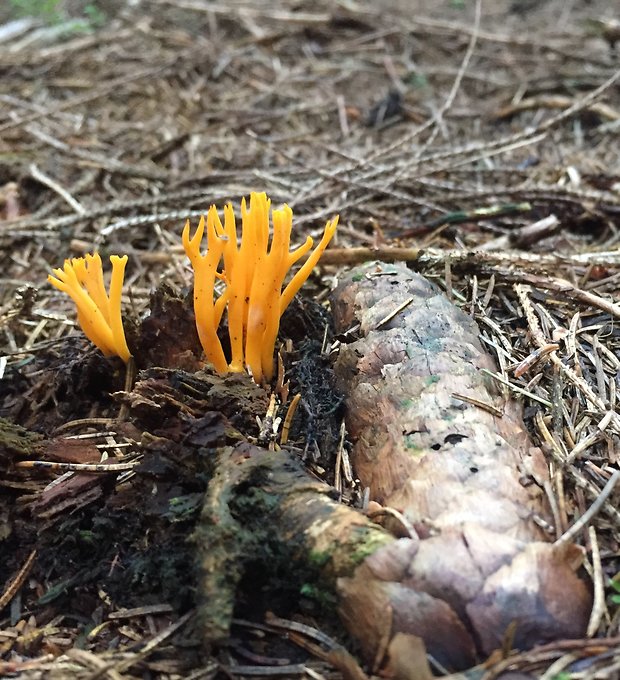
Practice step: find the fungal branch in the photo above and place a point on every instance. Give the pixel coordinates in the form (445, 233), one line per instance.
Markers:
(98, 313)
(255, 267)
(208, 313)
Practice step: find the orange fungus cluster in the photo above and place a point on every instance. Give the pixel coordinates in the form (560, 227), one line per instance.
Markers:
(99, 313)
(251, 268)
(255, 266)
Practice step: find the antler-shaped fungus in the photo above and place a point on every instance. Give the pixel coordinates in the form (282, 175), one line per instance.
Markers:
(98, 313)
(254, 273)
(208, 314)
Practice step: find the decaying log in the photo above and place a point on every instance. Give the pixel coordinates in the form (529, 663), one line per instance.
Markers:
(467, 480)
(263, 511)
(265, 522)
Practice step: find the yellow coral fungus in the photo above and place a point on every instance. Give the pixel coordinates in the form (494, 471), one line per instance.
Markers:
(99, 314)
(253, 274)
(205, 271)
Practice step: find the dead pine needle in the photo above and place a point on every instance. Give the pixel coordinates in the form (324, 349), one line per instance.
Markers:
(598, 606)
(592, 511)
(288, 419)
(18, 580)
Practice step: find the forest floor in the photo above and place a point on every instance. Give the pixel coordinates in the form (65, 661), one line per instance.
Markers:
(477, 141)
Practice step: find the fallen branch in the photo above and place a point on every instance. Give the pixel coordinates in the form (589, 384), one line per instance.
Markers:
(469, 481)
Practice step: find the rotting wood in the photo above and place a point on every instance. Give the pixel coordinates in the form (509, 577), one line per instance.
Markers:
(468, 481)
(265, 521)
(263, 509)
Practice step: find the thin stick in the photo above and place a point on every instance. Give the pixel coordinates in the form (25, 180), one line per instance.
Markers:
(598, 606)
(130, 377)
(288, 419)
(473, 39)
(388, 317)
(18, 581)
(77, 467)
(41, 177)
(591, 512)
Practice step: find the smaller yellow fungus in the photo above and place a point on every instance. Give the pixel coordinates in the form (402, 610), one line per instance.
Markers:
(99, 314)
(254, 269)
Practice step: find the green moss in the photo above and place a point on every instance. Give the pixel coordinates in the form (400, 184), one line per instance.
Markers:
(367, 541)
(85, 16)
(17, 441)
(48, 10)
(432, 345)
(324, 597)
(412, 350)
(182, 508)
(411, 446)
(319, 558)
(88, 537)
(362, 542)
